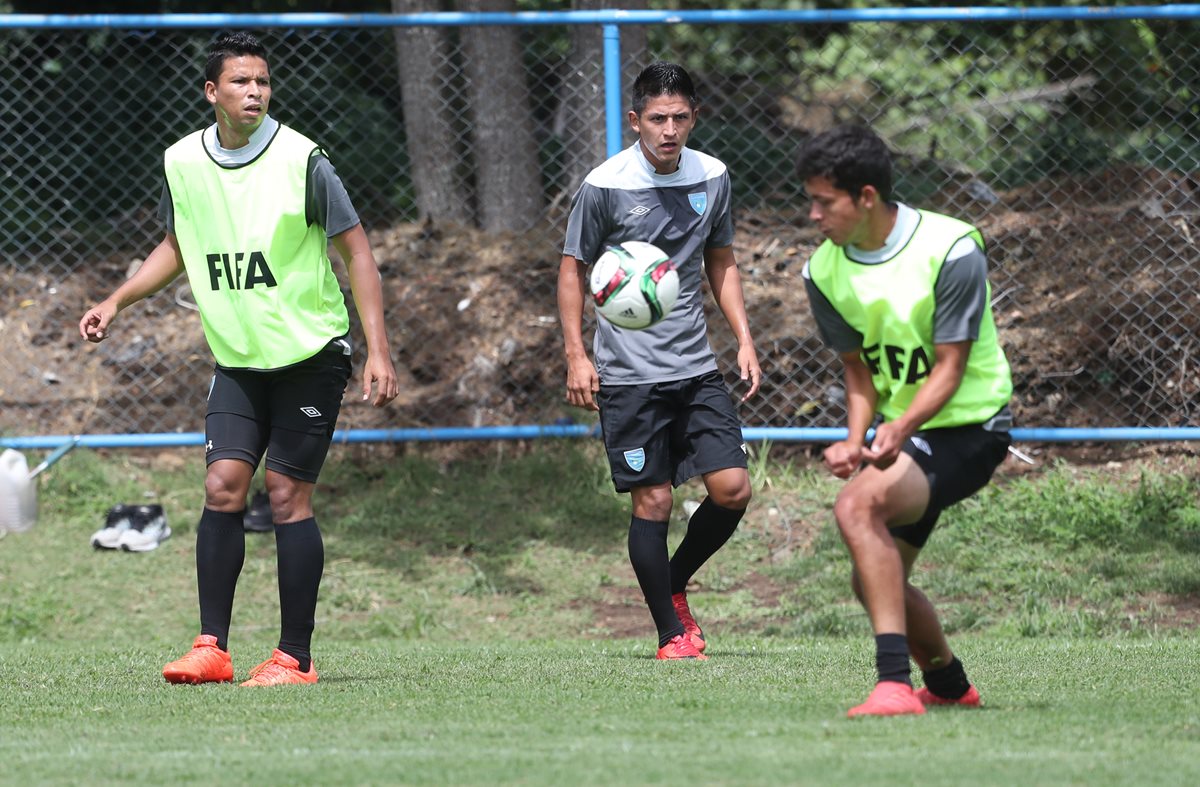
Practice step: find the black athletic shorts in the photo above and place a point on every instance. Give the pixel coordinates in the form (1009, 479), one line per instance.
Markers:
(288, 413)
(958, 461)
(659, 432)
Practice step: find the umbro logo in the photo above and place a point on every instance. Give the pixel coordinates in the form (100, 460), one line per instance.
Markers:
(208, 446)
(640, 210)
(311, 412)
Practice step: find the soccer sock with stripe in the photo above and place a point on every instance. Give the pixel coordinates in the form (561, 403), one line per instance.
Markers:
(300, 554)
(949, 682)
(648, 554)
(220, 552)
(891, 658)
(708, 530)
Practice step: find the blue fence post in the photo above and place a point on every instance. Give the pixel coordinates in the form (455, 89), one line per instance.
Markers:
(612, 89)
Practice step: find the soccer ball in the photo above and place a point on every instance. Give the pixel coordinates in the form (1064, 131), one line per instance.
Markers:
(634, 285)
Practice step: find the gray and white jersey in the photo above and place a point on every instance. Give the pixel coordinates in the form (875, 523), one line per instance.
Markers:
(326, 199)
(960, 293)
(683, 214)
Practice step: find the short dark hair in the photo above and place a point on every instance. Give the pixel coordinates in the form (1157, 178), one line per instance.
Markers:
(229, 45)
(851, 157)
(662, 79)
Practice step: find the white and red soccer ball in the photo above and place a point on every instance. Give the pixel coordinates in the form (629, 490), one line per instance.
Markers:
(634, 285)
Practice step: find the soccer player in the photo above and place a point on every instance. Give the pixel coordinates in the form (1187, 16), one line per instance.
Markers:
(665, 412)
(249, 207)
(902, 295)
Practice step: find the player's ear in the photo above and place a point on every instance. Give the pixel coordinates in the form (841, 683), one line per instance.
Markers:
(869, 197)
(210, 92)
(633, 120)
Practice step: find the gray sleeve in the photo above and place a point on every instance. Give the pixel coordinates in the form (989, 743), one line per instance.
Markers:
(960, 294)
(837, 333)
(587, 226)
(721, 234)
(166, 208)
(327, 203)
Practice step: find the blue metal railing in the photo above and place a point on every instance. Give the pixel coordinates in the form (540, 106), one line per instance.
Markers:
(540, 432)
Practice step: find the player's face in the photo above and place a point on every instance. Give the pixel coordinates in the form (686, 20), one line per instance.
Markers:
(663, 127)
(241, 94)
(839, 216)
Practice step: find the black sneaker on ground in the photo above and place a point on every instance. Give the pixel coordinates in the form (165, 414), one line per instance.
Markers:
(118, 519)
(257, 518)
(147, 530)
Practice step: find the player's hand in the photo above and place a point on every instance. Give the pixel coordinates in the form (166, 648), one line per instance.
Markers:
(751, 371)
(94, 325)
(885, 447)
(582, 384)
(843, 458)
(380, 372)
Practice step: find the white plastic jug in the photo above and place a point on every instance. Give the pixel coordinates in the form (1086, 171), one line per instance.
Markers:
(18, 494)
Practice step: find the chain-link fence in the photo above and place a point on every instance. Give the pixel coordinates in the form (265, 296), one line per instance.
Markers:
(1072, 144)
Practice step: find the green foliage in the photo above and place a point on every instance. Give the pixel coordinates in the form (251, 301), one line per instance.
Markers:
(762, 164)
(1072, 506)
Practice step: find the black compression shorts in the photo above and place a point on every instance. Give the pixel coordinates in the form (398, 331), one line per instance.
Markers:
(958, 461)
(288, 413)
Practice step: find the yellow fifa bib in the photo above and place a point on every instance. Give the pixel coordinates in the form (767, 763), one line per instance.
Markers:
(891, 304)
(258, 268)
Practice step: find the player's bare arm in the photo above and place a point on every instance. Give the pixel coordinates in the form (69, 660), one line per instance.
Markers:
(950, 362)
(722, 270)
(582, 381)
(844, 457)
(161, 268)
(366, 287)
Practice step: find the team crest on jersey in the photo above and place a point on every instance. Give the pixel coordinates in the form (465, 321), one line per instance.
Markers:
(636, 459)
(698, 201)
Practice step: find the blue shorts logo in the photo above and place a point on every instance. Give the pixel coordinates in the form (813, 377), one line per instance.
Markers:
(636, 459)
(698, 201)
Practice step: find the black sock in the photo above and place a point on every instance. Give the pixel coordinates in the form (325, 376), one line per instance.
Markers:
(220, 552)
(648, 554)
(949, 682)
(708, 530)
(300, 554)
(891, 658)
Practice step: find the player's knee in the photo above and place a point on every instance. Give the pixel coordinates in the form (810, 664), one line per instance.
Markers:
(653, 503)
(223, 492)
(291, 499)
(729, 489)
(849, 509)
(735, 498)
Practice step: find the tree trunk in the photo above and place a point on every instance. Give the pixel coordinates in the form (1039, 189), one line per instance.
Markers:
(508, 177)
(425, 65)
(580, 121)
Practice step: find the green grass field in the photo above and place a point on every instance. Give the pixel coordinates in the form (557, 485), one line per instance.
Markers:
(479, 624)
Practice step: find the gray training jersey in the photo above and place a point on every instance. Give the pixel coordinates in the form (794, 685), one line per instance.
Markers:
(683, 214)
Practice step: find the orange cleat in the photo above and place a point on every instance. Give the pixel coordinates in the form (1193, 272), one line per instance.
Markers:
(204, 663)
(280, 670)
(890, 698)
(690, 627)
(680, 647)
(969, 700)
